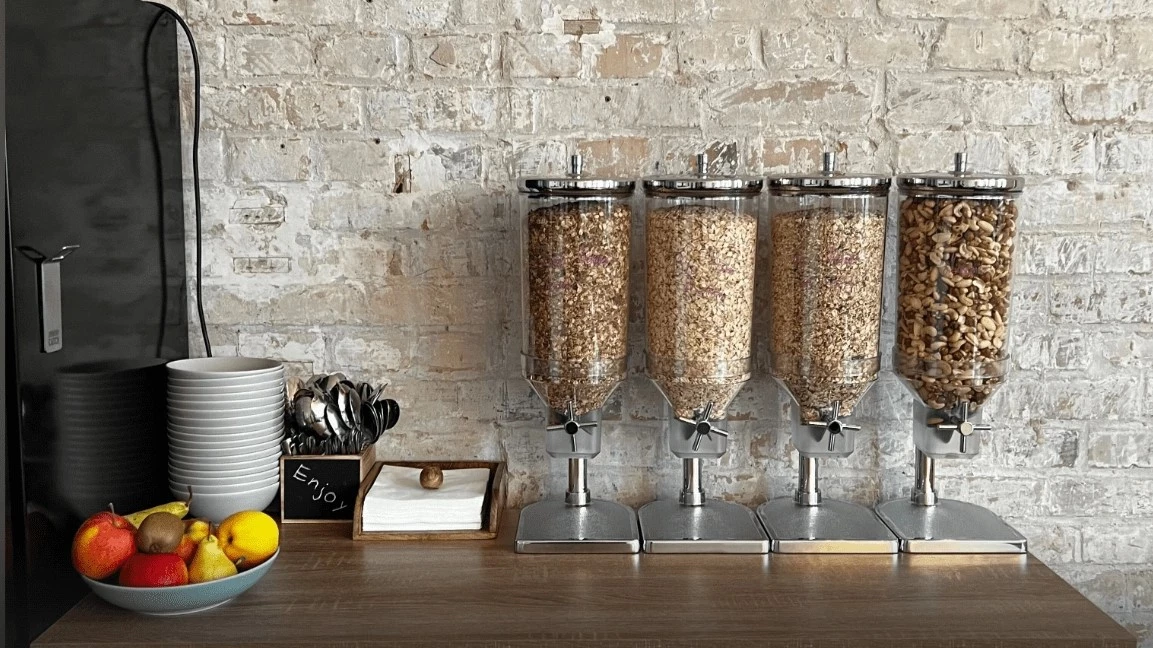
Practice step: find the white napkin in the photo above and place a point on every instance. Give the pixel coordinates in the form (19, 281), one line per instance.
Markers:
(397, 502)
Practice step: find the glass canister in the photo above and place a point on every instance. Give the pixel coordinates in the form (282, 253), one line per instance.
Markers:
(701, 248)
(957, 233)
(575, 233)
(826, 278)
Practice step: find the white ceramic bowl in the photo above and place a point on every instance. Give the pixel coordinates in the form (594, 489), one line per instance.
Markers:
(243, 445)
(186, 456)
(235, 421)
(180, 485)
(216, 506)
(229, 384)
(225, 391)
(233, 447)
(196, 480)
(216, 411)
(216, 429)
(223, 367)
(209, 451)
(186, 401)
(210, 468)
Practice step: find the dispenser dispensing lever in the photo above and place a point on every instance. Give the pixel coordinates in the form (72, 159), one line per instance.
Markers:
(965, 427)
(571, 426)
(833, 425)
(702, 427)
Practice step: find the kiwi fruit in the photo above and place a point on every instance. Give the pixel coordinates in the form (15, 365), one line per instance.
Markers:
(159, 533)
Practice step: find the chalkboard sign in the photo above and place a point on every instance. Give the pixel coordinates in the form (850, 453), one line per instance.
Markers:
(321, 488)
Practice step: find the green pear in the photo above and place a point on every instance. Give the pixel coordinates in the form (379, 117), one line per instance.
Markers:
(210, 563)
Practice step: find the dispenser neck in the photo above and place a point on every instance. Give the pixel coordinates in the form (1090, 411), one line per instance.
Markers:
(808, 493)
(924, 480)
(578, 482)
(692, 493)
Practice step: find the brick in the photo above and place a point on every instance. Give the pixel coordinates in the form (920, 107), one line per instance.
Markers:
(1125, 301)
(1062, 349)
(1034, 445)
(959, 8)
(635, 56)
(723, 48)
(1056, 254)
(1065, 49)
(483, 12)
(455, 57)
(261, 265)
(1044, 152)
(616, 156)
(454, 352)
(284, 344)
(568, 109)
(434, 109)
(842, 8)
(542, 55)
(1075, 302)
(1079, 9)
(615, 11)
(269, 158)
(1003, 496)
(904, 46)
(801, 46)
(1105, 587)
(380, 352)
(1110, 542)
(791, 154)
(257, 206)
(313, 107)
(357, 160)
(719, 11)
(846, 103)
(363, 57)
(919, 103)
(403, 15)
(305, 14)
(1107, 398)
(1128, 154)
(918, 152)
(1133, 46)
(1014, 103)
(1082, 496)
(1117, 101)
(244, 108)
(1120, 448)
(1124, 254)
(261, 55)
(1052, 542)
(977, 46)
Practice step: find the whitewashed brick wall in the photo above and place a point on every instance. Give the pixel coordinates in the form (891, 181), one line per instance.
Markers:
(317, 112)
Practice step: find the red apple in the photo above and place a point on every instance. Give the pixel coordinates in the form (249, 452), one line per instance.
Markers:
(186, 549)
(102, 545)
(154, 570)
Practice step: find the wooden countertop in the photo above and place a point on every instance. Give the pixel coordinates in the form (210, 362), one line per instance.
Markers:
(328, 590)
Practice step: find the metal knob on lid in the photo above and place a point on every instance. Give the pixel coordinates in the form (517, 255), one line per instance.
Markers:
(574, 183)
(703, 183)
(830, 181)
(961, 181)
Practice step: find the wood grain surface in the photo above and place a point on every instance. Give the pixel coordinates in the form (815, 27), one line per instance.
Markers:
(328, 590)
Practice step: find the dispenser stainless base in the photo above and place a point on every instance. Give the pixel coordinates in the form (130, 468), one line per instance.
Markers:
(832, 527)
(950, 526)
(552, 526)
(713, 527)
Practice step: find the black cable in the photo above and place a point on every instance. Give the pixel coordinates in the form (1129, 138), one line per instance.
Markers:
(195, 168)
(154, 136)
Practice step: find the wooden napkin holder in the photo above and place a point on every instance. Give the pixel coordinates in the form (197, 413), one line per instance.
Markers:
(490, 511)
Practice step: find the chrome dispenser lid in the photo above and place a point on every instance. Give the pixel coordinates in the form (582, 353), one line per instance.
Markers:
(961, 181)
(703, 184)
(576, 184)
(830, 181)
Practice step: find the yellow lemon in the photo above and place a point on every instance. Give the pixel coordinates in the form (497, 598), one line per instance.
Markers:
(249, 535)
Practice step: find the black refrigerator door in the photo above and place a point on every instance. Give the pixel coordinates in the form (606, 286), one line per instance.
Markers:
(94, 156)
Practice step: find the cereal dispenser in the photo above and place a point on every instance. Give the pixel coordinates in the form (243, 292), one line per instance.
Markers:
(826, 277)
(700, 252)
(955, 278)
(575, 265)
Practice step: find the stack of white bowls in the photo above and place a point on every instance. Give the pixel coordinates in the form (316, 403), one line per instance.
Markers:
(225, 427)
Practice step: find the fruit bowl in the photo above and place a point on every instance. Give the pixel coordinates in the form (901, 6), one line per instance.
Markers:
(180, 599)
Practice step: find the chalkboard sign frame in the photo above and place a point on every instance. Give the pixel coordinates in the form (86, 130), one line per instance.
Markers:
(306, 480)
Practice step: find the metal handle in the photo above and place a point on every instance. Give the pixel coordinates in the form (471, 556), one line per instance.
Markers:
(833, 424)
(702, 427)
(571, 426)
(48, 293)
(965, 427)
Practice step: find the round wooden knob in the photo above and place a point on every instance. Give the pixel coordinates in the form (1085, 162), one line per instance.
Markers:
(431, 477)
